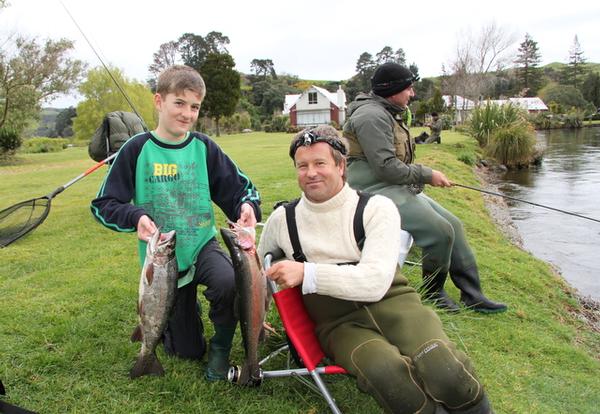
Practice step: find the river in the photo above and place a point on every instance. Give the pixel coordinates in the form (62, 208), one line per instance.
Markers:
(568, 179)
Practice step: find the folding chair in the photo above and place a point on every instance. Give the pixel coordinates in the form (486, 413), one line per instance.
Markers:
(300, 330)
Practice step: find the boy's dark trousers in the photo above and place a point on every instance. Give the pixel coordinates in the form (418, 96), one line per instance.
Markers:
(184, 335)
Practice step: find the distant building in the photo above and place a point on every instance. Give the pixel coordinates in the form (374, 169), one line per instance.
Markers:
(316, 106)
(531, 105)
(462, 107)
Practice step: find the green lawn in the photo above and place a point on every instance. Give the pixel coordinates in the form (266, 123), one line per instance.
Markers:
(68, 294)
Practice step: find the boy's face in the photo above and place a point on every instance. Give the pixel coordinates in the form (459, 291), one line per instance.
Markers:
(177, 113)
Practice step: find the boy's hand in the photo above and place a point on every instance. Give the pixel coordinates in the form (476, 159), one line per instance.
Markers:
(145, 228)
(286, 273)
(247, 217)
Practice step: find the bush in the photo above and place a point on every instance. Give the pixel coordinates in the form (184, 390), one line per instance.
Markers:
(513, 145)
(10, 141)
(467, 157)
(487, 118)
(278, 123)
(39, 144)
(543, 120)
(447, 121)
(573, 119)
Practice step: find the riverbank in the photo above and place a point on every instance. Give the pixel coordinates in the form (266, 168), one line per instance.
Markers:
(589, 308)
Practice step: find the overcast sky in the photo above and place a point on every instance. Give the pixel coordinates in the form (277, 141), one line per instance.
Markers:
(311, 39)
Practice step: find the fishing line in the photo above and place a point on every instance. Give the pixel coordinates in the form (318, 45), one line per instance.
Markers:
(524, 201)
(105, 67)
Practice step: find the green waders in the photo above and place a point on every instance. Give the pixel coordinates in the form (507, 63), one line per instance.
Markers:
(439, 233)
(398, 351)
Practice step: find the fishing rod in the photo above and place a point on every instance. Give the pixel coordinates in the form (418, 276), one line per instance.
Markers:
(525, 201)
(106, 67)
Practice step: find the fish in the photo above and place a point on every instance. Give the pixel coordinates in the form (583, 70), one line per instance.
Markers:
(156, 297)
(252, 300)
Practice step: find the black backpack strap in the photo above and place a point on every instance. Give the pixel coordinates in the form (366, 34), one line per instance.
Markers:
(290, 218)
(359, 228)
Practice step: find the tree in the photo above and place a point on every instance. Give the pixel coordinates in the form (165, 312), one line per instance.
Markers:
(103, 96)
(528, 73)
(566, 96)
(361, 82)
(167, 55)
(591, 89)
(476, 57)
(223, 87)
(194, 48)
(263, 68)
(575, 70)
(64, 122)
(400, 57)
(385, 55)
(31, 73)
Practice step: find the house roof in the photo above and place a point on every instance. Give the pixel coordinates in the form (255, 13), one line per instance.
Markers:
(529, 104)
(290, 100)
(458, 102)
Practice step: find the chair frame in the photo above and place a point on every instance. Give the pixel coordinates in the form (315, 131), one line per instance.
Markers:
(300, 331)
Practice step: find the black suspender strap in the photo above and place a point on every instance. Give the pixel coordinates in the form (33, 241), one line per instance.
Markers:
(359, 228)
(290, 218)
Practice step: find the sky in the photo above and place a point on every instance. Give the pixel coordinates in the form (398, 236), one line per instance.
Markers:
(320, 40)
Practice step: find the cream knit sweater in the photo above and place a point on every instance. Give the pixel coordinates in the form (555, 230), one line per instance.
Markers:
(327, 238)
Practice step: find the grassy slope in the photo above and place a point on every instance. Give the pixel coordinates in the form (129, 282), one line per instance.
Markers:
(68, 293)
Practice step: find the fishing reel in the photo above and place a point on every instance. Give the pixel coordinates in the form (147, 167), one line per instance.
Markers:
(236, 376)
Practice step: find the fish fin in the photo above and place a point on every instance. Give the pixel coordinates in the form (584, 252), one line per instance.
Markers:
(149, 275)
(137, 335)
(146, 365)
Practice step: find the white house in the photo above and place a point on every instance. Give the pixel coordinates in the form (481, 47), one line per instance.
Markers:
(316, 106)
(531, 105)
(462, 106)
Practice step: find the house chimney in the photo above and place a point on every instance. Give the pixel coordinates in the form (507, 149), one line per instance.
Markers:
(341, 97)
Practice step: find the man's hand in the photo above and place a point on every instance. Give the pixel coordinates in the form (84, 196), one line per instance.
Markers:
(287, 273)
(145, 228)
(438, 179)
(247, 217)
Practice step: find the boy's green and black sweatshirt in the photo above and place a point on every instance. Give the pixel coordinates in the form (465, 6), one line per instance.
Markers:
(174, 184)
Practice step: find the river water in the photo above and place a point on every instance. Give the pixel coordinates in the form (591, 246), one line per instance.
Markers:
(568, 179)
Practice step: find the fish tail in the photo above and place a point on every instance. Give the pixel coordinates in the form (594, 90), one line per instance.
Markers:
(147, 364)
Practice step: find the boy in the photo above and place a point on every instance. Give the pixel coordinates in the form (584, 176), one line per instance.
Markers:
(172, 176)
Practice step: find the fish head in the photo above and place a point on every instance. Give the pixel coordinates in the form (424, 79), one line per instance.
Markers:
(161, 246)
(245, 237)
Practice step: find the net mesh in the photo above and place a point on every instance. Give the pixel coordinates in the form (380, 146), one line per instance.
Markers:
(21, 218)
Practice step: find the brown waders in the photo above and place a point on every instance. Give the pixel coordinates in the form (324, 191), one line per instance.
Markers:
(398, 352)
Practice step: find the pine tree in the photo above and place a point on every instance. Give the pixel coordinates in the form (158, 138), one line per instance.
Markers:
(529, 75)
(575, 69)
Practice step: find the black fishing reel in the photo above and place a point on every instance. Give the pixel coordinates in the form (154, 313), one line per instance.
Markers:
(236, 376)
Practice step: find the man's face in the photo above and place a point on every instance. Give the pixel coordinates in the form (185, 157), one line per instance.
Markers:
(402, 98)
(177, 113)
(318, 176)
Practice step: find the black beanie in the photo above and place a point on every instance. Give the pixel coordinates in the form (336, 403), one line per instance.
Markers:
(391, 78)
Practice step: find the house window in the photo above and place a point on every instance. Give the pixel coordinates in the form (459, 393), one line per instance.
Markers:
(312, 98)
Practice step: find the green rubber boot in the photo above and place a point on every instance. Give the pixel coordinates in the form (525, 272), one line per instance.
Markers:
(218, 353)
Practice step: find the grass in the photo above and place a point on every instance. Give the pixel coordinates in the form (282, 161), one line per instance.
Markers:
(68, 292)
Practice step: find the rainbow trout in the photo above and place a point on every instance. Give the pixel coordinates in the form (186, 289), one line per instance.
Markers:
(158, 286)
(251, 300)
